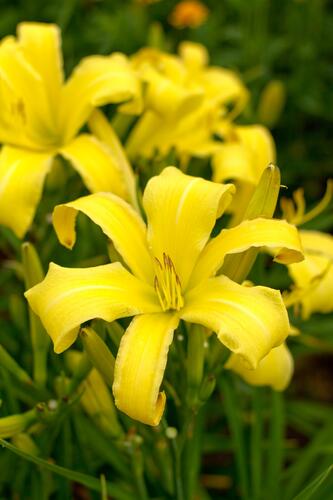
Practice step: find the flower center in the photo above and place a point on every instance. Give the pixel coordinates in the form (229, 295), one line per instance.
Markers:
(167, 284)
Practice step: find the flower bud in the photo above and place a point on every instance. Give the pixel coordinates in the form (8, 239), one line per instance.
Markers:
(271, 104)
(98, 353)
(14, 424)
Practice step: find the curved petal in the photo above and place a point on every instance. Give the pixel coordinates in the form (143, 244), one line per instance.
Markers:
(314, 276)
(68, 297)
(245, 156)
(25, 117)
(96, 81)
(278, 235)
(181, 212)
(118, 221)
(22, 175)
(275, 369)
(250, 321)
(103, 130)
(96, 164)
(140, 365)
(41, 44)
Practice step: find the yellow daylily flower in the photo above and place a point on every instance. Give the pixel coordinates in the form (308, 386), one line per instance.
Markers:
(185, 99)
(313, 277)
(41, 116)
(274, 370)
(242, 158)
(170, 275)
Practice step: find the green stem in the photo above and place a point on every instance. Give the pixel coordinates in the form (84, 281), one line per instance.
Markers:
(137, 467)
(275, 459)
(179, 491)
(256, 444)
(236, 430)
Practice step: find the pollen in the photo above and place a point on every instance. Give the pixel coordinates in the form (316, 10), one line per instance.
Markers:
(167, 284)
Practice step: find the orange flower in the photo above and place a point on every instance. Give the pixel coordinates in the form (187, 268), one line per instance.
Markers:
(188, 14)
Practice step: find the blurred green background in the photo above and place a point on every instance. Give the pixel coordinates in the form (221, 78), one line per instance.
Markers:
(289, 40)
(264, 40)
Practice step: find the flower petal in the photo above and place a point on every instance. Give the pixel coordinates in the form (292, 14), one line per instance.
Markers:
(96, 164)
(314, 276)
(275, 234)
(275, 369)
(41, 44)
(250, 321)
(25, 117)
(118, 221)
(96, 81)
(181, 212)
(22, 175)
(103, 130)
(140, 366)
(246, 156)
(68, 297)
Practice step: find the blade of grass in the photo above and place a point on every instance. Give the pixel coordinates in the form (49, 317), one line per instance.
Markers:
(298, 472)
(276, 446)
(89, 481)
(236, 430)
(311, 488)
(256, 443)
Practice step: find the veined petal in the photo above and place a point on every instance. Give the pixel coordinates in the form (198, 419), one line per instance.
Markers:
(140, 366)
(314, 276)
(96, 81)
(119, 222)
(68, 297)
(245, 156)
(25, 117)
(181, 212)
(96, 164)
(275, 369)
(250, 321)
(41, 44)
(22, 175)
(278, 235)
(103, 130)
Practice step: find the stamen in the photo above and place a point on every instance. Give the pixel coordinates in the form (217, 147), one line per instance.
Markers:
(167, 284)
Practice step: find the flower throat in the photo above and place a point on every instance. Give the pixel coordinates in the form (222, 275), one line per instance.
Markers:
(167, 284)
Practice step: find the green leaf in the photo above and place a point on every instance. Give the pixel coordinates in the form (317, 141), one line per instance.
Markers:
(311, 488)
(89, 481)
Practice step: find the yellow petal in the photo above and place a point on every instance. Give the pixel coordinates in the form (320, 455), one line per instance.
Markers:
(181, 212)
(96, 81)
(223, 86)
(314, 276)
(277, 235)
(68, 297)
(140, 366)
(275, 369)
(118, 221)
(25, 117)
(245, 157)
(41, 44)
(102, 129)
(22, 175)
(250, 321)
(96, 164)
(194, 55)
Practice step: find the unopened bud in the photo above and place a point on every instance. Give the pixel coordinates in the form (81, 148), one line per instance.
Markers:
(262, 204)
(207, 387)
(98, 353)
(271, 104)
(14, 424)
(25, 443)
